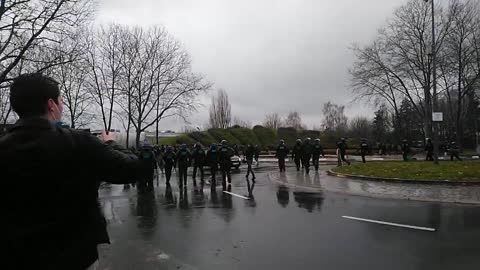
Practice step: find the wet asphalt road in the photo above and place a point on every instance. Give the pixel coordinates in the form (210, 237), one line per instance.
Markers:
(282, 228)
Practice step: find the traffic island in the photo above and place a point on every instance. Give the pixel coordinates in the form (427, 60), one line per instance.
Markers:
(446, 172)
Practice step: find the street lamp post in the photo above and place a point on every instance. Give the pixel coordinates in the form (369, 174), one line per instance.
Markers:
(434, 85)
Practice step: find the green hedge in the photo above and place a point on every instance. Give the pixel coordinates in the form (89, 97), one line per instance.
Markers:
(288, 134)
(266, 136)
(203, 137)
(177, 140)
(245, 136)
(223, 134)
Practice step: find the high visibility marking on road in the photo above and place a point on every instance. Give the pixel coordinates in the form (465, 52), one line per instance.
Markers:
(391, 224)
(233, 194)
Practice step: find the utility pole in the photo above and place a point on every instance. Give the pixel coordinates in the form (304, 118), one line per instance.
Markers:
(434, 85)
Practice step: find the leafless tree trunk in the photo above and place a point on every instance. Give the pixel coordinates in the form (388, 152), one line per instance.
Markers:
(272, 120)
(294, 120)
(220, 111)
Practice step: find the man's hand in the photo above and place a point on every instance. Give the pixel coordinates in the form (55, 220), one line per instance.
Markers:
(108, 137)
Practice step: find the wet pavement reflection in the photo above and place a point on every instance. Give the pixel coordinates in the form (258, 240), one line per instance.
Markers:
(269, 225)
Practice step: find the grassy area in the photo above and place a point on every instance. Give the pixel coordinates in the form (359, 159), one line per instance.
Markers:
(416, 170)
(245, 136)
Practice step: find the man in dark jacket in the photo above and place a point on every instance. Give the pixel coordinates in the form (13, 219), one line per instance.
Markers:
(183, 162)
(306, 154)
(364, 149)
(453, 150)
(297, 154)
(52, 216)
(149, 162)
(225, 160)
(169, 159)
(281, 154)
(342, 151)
(317, 151)
(249, 156)
(198, 157)
(429, 150)
(212, 161)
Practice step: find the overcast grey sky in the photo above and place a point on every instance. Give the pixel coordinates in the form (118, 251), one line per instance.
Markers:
(269, 55)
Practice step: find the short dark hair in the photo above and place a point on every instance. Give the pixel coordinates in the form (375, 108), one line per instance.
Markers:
(29, 94)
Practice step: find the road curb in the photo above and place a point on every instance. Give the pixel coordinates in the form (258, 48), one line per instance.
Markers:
(405, 181)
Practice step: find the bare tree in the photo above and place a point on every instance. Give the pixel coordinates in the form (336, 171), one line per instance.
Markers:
(294, 120)
(103, 58)
(155, 80)
(220, 110)
(25, 25)
(398, 64)
(360, 127)
(29, 33)
(237, 121)
(272, 120)
(334, 118)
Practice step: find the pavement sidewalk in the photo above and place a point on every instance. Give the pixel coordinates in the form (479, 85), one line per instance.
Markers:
(321, 181)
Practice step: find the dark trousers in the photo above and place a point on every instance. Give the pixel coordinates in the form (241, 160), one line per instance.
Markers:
(213, 172)
(297, 163)
(182, 173)
(281, 164)
(226, 176)
(342, 156)
(316, 162)
(249, 168)
(363, 158)
(306, 164)
(455, 155)
(199, 167)
(429, 156)
(168, 172)
(405, 157)
(149, 182)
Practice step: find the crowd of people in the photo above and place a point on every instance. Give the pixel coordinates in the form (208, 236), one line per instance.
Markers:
(217, 158)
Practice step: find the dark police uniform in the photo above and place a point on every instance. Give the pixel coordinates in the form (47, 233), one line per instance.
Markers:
(198, 157)
(249, 155)
(429, 150)
(225, 160)
(212, 160)
(317, 151)
(169, 159)
(281, 154)
(183, 162)
(364, 149)
(297, 154)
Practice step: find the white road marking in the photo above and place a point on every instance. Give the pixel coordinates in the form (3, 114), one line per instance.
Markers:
(240, 196)
(391, 224)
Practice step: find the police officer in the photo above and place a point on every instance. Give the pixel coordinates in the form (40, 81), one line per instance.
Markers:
(225, 160)
(297, 153)
(169, 160)
(405, 150)
(198, 157)
(307, 154)
(429, 150)
(364, 149)
(342, 151)
(212, 161)
(249, 156)
(257, 153)
(147, 158)
(281, 154)
(183, 162)
(317, 151)
(453, 151)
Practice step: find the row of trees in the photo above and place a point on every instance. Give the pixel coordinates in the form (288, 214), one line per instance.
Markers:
(112, 74)
(396, 69)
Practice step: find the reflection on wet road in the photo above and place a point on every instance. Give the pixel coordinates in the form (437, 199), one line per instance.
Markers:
(281, 227)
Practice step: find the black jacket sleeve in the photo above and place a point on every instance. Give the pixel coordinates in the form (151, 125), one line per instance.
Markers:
(112, 163)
